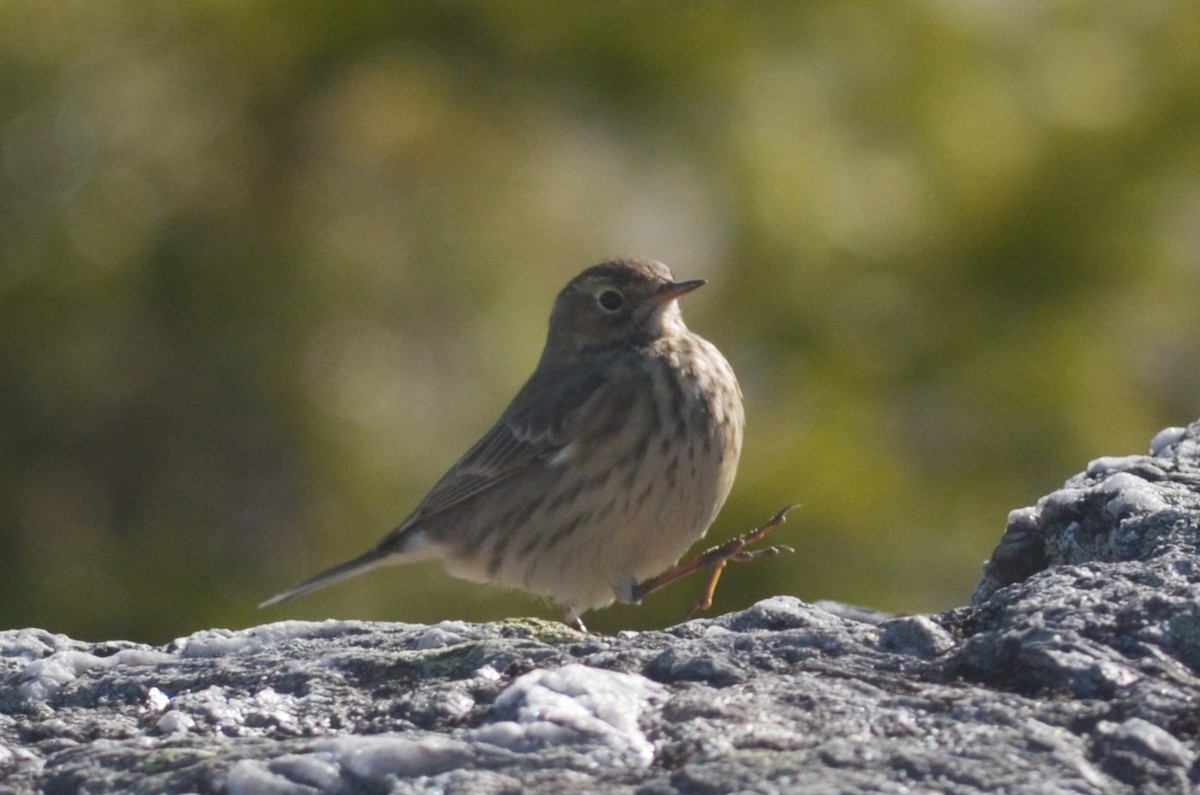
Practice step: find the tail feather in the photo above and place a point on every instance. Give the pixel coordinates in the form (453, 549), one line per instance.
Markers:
(343, 571)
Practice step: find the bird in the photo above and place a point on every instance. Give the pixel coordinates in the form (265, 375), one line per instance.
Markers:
(610, 462)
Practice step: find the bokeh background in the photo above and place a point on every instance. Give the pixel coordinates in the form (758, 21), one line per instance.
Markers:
(267, 269)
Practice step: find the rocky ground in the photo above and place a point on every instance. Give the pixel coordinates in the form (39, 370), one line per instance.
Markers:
(1073, 670)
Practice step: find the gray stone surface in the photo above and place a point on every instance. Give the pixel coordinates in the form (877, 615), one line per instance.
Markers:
(1074, 670)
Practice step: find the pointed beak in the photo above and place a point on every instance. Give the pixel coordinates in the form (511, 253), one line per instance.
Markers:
(675, 290)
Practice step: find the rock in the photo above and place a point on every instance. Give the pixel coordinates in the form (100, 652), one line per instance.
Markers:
(1132, 508)
(1073, 670)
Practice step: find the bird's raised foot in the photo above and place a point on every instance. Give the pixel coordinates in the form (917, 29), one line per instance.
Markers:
(716, 559)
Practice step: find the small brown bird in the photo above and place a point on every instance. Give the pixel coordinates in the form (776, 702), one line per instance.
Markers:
(611, 461)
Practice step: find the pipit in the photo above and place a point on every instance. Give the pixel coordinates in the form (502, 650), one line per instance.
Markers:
(612, 460)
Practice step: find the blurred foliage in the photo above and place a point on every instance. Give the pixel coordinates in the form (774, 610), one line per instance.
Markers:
(266, 269)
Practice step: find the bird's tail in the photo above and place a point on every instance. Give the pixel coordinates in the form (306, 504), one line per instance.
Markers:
(342, 571)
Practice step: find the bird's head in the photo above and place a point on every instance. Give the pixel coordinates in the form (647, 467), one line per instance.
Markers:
(618, 302)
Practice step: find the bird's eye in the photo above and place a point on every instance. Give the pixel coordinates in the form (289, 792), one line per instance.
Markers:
(610, 300)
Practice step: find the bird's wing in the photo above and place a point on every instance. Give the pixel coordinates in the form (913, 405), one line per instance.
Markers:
(505, 450)
(535, 427)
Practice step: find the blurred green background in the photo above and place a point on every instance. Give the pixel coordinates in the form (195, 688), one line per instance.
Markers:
(267, 269)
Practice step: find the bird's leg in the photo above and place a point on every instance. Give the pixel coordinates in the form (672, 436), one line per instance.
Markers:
(572, 620)
(716, 559)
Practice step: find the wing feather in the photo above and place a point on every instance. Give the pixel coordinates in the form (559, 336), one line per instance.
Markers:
(535, 427)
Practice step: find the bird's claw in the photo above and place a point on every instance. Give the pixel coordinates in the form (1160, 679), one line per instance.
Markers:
(716, 559)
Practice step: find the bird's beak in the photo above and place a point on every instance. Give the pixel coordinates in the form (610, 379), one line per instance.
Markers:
(674, 290)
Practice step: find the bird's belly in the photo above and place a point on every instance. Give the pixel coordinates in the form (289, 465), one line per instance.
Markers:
(624, 528)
